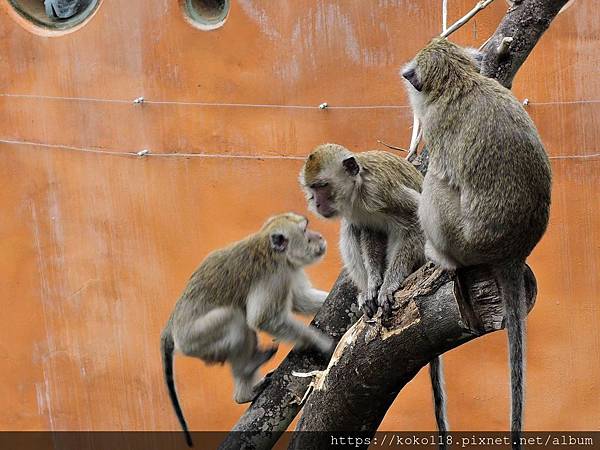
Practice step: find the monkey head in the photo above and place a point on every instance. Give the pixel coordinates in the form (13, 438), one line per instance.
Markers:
(441, 68)
(289, 236)
(328, 179)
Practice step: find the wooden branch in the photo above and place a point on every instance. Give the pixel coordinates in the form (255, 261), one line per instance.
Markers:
(438, 311)
(272, 412)
(482, 4)
(525, 22)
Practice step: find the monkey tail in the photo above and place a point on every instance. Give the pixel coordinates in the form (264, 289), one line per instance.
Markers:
(436, 373)
(512, 289)
(167, 347)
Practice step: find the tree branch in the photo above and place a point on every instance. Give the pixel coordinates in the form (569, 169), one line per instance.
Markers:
(525, 22)
(374, 361)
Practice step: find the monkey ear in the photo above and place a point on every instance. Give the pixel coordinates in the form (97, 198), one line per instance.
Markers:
(279, 242)
(351, 166)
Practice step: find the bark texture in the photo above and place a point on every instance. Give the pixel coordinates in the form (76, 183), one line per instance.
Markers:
(437, 311)
(525, 22)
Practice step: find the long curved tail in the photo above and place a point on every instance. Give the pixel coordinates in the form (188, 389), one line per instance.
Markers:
(512, 289)
(167, 347)
(436, 373)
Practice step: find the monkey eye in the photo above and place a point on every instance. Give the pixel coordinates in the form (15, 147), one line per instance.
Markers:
(319, 185)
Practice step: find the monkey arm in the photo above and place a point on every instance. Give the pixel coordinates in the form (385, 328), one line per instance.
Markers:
(405, 254)
(286, 328)
(267, 311)
(373, 250)
(306, 299)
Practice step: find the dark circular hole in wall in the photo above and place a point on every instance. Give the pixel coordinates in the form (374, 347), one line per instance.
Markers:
(207, 14)
(55, 14)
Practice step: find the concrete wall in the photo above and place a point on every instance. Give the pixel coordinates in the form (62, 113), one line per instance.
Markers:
(96, 245)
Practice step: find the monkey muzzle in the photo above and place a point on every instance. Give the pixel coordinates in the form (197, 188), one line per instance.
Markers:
(322, 248)
(410, 75)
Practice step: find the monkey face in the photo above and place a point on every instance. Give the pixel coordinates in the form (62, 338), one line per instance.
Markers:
(321, 200)
(289, 235)
(412, 78)
(328, 179)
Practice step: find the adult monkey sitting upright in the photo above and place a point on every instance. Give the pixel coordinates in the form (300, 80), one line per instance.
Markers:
(486, 195)
(376, 194)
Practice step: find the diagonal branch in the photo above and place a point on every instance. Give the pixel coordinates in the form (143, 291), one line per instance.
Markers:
(525, 22)
(374, 361)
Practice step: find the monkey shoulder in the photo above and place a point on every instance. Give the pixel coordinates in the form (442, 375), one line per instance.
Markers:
(225, 275)
(390, 169)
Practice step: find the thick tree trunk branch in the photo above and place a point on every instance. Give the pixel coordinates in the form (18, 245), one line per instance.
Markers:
(374, 361)
(272, 412)
(524, 22)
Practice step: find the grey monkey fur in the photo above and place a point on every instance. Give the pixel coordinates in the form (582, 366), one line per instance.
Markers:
(253, 284)
(376, 194)
(486, 194)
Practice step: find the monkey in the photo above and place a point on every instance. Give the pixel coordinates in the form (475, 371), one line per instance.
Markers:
(486, 194)
(253, 284)
(376, 195)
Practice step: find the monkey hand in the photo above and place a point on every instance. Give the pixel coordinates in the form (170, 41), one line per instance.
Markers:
(324, 344)
(260, 357)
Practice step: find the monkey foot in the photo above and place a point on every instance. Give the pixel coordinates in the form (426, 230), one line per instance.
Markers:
(386, 300)
(370, 307)
(260, 386)
(260, 358)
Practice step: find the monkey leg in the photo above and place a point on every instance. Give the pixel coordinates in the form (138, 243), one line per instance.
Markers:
(221, 333)
(439, 215)
(244, 367)
(352, 256)
(402, 253)
(373, 247)
(213, 336)
(350, 248)
(441, 258)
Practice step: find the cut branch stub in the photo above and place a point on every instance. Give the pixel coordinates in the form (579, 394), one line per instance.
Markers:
(525, 23)
(437, 311)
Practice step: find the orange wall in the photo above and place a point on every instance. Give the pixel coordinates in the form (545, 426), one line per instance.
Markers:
(95, 248)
